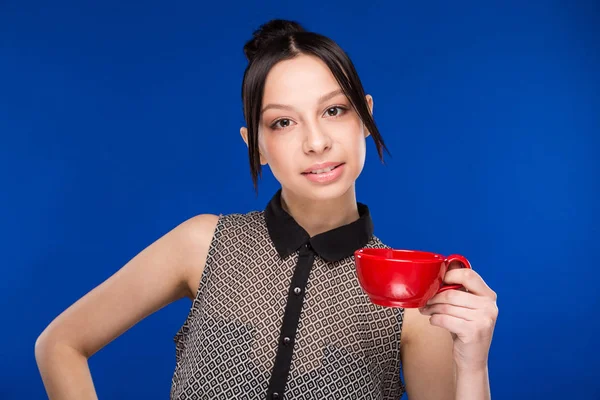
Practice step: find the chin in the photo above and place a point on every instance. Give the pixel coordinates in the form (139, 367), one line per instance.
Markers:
(317, 192)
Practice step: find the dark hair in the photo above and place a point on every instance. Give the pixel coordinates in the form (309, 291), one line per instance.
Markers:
(279, 40)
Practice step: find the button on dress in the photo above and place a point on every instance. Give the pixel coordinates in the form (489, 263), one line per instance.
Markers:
(281, 315)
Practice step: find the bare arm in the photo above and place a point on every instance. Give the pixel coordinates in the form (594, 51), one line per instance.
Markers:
(165, 271)
(427, 360)
(430, 370)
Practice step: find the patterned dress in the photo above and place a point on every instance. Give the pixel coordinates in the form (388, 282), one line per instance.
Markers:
(281, 315)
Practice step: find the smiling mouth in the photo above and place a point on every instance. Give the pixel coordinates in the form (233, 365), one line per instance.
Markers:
(322, 171)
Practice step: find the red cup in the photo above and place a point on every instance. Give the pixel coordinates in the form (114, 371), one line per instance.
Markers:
(403, 278)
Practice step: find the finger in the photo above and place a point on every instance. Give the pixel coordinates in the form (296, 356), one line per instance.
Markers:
(455, 265)
(471, 280)
(457, 298)
(458, 326)
(467, 314)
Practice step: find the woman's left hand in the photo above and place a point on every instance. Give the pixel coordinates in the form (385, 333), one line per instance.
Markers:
(469, 315)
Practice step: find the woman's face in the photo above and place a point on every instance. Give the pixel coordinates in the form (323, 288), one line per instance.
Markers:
(307, 120)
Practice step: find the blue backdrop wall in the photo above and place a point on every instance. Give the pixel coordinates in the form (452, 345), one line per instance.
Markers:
(120, 119)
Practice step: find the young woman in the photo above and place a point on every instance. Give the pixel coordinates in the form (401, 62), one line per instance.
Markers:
(277, 311)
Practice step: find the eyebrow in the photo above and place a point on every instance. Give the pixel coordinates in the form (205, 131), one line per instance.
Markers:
(321, 99)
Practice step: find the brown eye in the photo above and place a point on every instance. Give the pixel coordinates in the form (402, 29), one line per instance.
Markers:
(335, 111)
(281, 124)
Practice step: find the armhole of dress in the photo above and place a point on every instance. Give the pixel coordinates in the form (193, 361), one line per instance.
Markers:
(400, 317)
(211, 258)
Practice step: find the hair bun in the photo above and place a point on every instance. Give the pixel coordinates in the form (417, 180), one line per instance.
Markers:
(269, 31)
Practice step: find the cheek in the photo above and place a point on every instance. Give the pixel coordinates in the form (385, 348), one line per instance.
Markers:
(360, 151)
(275, 152)
(357, 148)
(265, 145)
(356, 141)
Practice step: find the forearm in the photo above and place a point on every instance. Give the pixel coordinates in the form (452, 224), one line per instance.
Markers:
(65, 373)
(473, 385)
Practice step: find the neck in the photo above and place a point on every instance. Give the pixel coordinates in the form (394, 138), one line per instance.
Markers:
(323, 215)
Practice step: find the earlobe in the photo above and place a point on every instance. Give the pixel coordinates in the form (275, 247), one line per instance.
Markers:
(244, 134)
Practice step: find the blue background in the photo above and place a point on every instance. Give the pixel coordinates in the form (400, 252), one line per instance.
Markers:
(119, 120)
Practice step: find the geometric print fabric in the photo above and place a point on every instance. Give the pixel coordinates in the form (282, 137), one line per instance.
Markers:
(345, 346)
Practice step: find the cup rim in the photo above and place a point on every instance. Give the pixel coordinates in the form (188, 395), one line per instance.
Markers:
(369, 253)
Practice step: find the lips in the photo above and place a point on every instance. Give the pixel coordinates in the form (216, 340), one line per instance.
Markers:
(327, 176)
(322, 168)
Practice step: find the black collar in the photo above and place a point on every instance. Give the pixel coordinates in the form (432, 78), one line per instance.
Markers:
(332, 245)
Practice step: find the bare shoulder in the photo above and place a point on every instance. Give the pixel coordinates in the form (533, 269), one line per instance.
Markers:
(201, 229)
(166, 270)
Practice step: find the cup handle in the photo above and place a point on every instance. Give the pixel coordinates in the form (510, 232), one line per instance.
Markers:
(449, 260)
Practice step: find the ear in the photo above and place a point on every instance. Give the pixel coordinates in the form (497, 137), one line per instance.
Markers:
(369, 99)
(244, 134)
(370, 102)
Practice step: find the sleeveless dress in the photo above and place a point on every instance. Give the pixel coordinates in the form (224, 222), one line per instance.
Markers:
(281, 315)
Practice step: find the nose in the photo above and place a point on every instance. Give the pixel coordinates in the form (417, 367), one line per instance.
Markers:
(316, 140)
